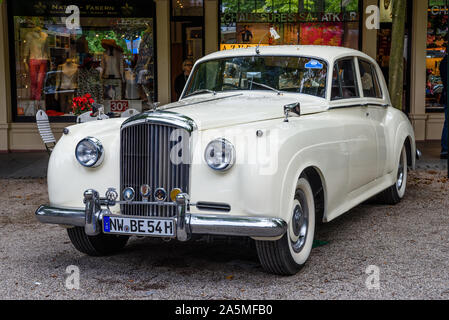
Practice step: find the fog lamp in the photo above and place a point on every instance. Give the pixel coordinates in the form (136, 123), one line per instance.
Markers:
(174, 193)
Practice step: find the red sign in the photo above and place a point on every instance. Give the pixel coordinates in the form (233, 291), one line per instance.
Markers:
(119, 105)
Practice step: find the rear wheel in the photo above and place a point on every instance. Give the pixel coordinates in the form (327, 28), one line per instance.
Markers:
(99, 245)
(394, 194)
(289, 254)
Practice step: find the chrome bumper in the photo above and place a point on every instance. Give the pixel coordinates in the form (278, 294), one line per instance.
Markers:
(187, 223)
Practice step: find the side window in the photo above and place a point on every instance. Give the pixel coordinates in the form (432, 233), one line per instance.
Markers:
(370, 82)
(344, 80)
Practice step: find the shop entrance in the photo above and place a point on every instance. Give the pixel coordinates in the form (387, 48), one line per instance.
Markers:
(187, 41)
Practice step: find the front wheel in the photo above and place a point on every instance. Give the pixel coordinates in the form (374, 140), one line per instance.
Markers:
(100, 245)
(289, 254)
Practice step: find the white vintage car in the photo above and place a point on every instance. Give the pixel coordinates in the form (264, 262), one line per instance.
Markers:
(263, 143)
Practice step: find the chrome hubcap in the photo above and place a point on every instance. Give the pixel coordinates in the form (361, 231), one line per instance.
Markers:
(401, 173)
(300, 224)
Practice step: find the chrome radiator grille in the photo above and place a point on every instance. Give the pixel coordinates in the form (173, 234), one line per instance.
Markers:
(145, 159)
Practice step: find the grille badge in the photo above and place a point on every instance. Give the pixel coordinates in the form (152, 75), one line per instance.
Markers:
(145, 192)
(129, 194)
(160, 195)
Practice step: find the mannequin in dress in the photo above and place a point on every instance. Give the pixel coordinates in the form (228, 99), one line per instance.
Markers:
(66, 84)
(36, 56)
(112, 61)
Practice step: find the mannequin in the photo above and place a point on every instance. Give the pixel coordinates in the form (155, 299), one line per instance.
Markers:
(112, 61)
(66, 84)
(36, 57)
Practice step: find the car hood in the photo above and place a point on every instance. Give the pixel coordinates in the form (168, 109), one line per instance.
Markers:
(228, 109)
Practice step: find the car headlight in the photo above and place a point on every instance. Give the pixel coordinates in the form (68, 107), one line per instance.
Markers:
(220, 155)
(89, 152)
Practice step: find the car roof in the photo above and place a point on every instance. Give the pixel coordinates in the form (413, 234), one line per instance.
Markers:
(328, 53)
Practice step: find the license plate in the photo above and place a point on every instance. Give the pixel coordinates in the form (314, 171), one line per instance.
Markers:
(139, 226)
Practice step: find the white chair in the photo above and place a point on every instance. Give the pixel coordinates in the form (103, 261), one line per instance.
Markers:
(43, 125)
(129, 113)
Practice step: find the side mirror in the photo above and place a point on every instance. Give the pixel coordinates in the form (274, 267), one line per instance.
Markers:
(294, 107)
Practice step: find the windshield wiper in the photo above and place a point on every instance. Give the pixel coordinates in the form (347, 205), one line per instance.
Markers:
(200, 91)
(264, 86)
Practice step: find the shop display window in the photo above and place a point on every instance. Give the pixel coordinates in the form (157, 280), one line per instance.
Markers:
(245, 23)
(437, 38)
(64, 51)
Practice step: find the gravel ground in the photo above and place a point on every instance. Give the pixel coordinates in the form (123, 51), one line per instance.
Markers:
(407, 242)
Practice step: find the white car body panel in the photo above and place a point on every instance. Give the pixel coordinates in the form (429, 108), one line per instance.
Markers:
(354, 149)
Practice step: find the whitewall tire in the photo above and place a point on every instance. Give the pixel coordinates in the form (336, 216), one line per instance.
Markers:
(289, 254)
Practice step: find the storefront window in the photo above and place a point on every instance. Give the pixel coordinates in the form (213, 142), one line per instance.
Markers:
(437, 38)
(65, 49)
(307, 22)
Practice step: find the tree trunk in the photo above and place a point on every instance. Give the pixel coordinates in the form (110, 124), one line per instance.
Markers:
(396, 79)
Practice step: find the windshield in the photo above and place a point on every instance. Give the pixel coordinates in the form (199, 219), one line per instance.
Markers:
(277, 73)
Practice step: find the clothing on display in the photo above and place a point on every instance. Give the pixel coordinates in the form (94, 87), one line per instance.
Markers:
(131, 89)
(36, 45)
(112, 61)
(66, 84)
(89, 82)
(36, 52)
(38, 70)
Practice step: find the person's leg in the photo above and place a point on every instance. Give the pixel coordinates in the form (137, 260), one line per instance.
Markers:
(444, 142)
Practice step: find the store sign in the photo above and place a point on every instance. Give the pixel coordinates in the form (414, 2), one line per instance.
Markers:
(230, 46)
(88, 8)
(119, 105)
(439, 10)
(231, 17)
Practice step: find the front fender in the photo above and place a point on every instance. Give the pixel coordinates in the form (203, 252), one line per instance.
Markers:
(67, 179)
